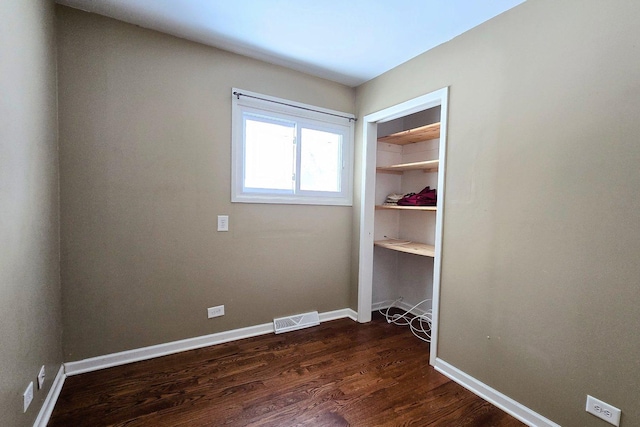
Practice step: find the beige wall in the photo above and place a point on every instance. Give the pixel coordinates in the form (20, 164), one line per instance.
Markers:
(30, 309)
(540, 276)
(145, 124)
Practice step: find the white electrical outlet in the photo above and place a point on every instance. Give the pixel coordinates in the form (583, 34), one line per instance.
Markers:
(216, 311)
(28, 396)
(603, 410)
(41, 378)
(223, 222)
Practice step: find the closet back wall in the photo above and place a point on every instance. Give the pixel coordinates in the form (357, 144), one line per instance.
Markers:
(145, 137)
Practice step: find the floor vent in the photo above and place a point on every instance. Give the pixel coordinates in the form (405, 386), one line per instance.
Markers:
(299, 321)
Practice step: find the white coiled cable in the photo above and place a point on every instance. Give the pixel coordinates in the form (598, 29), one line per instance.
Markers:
(419, 322)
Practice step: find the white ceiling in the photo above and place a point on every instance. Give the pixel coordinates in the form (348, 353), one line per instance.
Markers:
(348, 41)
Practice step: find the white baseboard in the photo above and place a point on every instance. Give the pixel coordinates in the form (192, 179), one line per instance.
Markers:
(507, 404)
(51, 399)
(145, 353)
(380, 305)
(338, 314)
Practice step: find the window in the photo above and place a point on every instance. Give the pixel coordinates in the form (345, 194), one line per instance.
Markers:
(286, 152)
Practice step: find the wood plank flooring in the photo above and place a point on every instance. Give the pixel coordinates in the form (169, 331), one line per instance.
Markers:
(340, 373)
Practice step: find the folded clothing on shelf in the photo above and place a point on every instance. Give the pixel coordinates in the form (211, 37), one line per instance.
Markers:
(426, 197)
(392, 199)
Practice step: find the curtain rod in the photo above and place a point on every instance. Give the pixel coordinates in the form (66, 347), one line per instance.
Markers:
(239, 94)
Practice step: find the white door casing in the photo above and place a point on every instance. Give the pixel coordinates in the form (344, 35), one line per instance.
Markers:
(365, 273)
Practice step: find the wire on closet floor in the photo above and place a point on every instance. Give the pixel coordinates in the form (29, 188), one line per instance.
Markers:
(419, 320)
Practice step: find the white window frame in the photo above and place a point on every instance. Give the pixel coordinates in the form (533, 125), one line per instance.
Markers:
(310, 117)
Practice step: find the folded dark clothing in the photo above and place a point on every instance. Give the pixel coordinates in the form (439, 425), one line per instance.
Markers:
(426, 197)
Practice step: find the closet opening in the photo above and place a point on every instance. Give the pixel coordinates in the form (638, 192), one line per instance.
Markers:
(402, 211)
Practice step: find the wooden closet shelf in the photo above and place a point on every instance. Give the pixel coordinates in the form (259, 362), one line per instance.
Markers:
(427, 166)
(422, 133)
(407, 208)
(407, 247)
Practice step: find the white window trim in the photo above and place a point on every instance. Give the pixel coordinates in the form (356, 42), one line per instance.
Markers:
(270, 104)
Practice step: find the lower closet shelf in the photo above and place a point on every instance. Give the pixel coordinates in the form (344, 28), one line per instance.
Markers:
(407, 247)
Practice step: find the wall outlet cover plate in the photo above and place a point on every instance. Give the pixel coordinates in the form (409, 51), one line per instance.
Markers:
(603, 410)
(28, 396)
(41, 376)
(223, 222)
(216, 311)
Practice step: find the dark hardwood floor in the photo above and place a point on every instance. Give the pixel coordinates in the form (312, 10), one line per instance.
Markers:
(340, 373)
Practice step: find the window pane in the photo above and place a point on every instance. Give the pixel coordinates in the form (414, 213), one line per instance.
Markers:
(320, 160)
(269, 154)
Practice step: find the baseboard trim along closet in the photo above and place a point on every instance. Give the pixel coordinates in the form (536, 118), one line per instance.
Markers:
(52, 397)
(493, 396)
(145, 353)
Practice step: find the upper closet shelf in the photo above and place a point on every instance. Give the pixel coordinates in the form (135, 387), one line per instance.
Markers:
(423, 133)
(427, 166)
